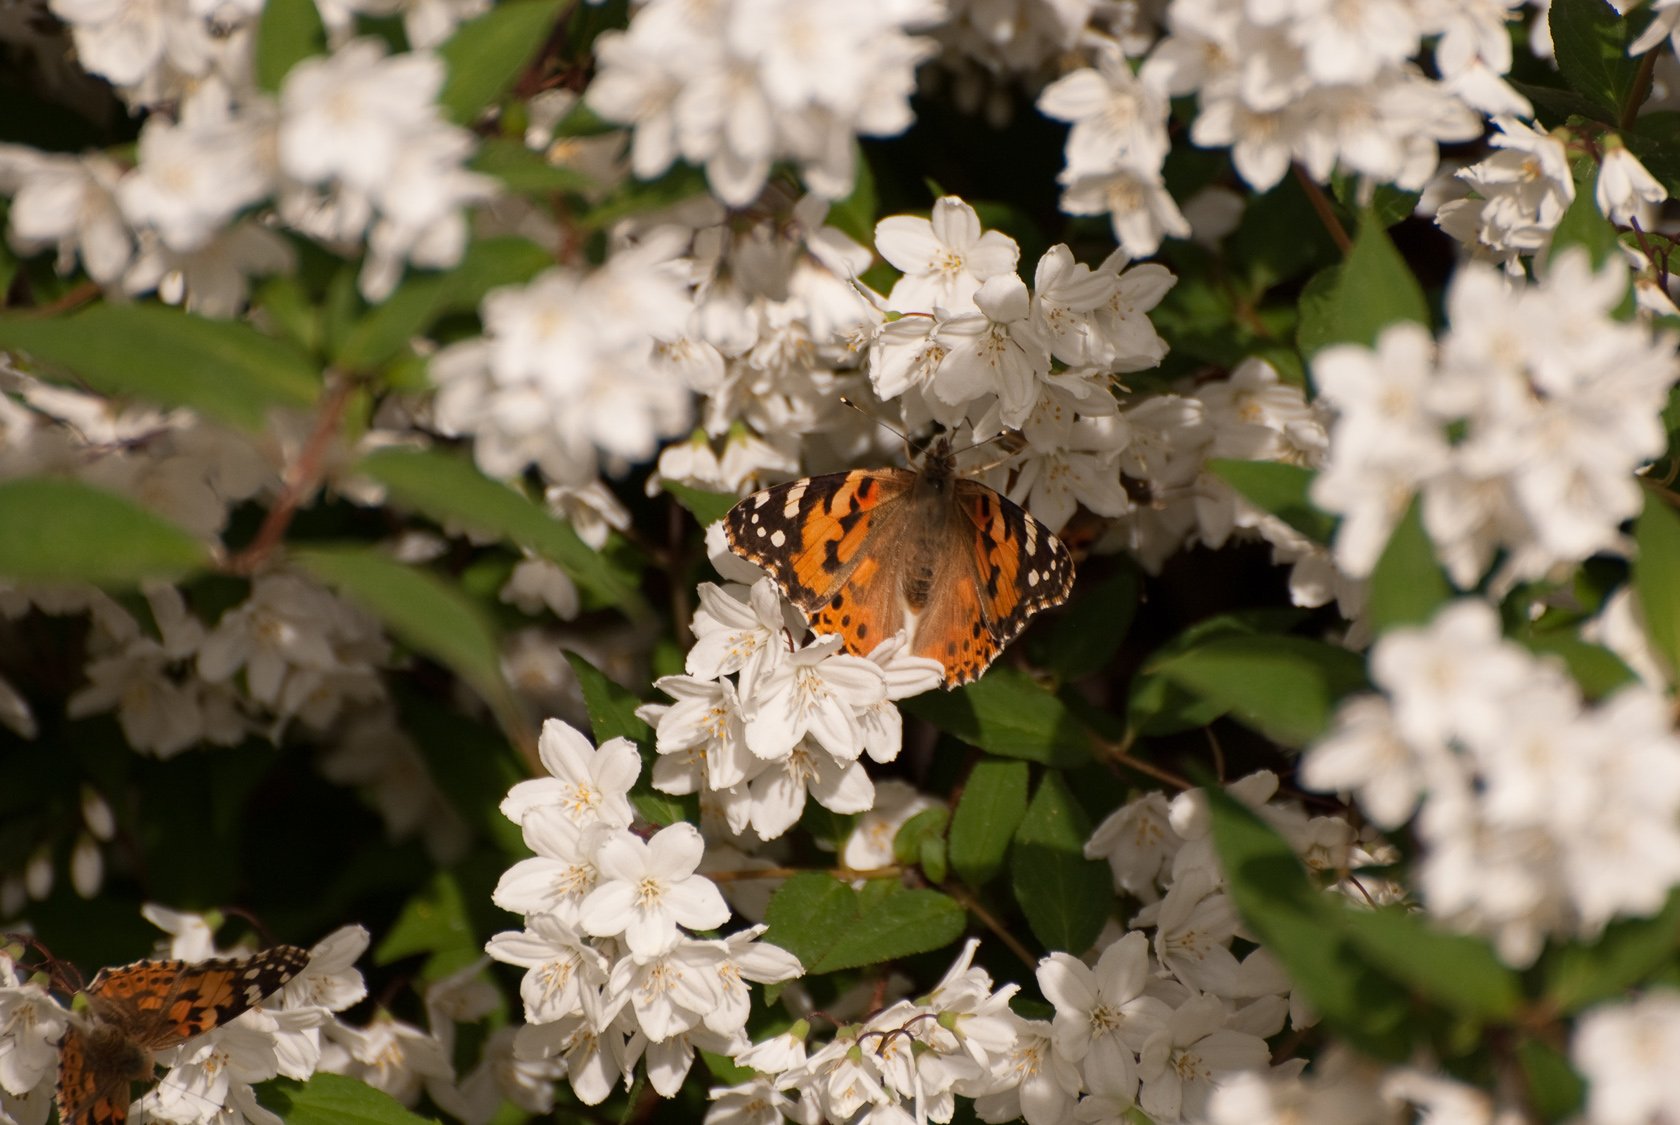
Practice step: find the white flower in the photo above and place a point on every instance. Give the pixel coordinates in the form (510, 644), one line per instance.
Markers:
(816, 690)
(1193, 933)
(744, 958)
(777, 795)
(69, 203)
(944, 259)
(703, 725)
(587, 785)
(736, 634)
(562, 873)
(1182, 1062)
(1364, 754)
(996, 350)
(1115, 116)
(395, 1057)
(31, 1024)
(1033, 1081)
(1139, 843)
(1624, 184)
(595, 1059)
(346, 116)
(1102, 1016)
(194, 176)
(870, 844)
(1624, 1051)
(565, 975)
(648, 889)
(1136, 200)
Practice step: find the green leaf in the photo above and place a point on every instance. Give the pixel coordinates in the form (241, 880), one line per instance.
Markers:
(638, 197)
(335, 1099)
(902, 924)
(1583, 224)
(1281, 490)
(1316, 328)
(424, 297)
(907, 841)
(434, 921)
(1458, 972)
(1626, 953)
(524, 171)
(1407, 585)
(994, 799)
(1555, 1091)
(1087, 637)
(1065, 896)
(1284, 687)
(1657, 534)
(612, 709)
(448, 488)
(1008, 713)
(1595, 668)
(855, 215)
(1589, 42)
(424, 611)
(1157, 706)
(486, 55)
(1564, 103)
(1375, 288)
(807, 913)
(706, 507)
(65, 531)
(1299, 926)
(288, 32)
(225, 369)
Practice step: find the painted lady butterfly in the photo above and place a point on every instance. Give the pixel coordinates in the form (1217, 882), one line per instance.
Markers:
(872, 551)
(134, 1010)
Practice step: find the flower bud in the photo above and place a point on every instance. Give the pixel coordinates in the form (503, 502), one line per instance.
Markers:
(13, 895)
(87, 866)
(96, 814)
(38, 875)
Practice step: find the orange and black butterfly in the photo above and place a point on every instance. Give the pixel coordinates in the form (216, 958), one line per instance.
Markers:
(135, 1010)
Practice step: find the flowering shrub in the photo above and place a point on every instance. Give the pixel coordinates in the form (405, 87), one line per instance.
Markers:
(375, 379)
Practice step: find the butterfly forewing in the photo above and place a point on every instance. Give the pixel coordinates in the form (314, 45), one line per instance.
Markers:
(810, 534)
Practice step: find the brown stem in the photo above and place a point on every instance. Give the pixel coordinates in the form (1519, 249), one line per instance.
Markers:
(1321, 204)
(80, 295)
(1116, 753)
(300, 481)
(962, 894)
(1641, 90)
(843, 873)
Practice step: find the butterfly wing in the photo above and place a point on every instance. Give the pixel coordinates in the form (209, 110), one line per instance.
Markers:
(88, 1095)
(832, 544)
(1002, 567)
(162, 1003)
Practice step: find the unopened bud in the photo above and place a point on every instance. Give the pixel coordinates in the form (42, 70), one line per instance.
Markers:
(13, 895)
(87, 866)
(800, 1029)
(38, 875)
(96, 814)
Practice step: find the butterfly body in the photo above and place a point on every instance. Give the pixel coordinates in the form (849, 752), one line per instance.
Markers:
(136, 1010)
(868, 552)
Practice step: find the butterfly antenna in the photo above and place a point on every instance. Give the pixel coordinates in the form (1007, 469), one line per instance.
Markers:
(908, 452)
(1009, 434)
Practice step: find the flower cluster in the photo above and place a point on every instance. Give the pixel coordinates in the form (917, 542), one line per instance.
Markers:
(1520, 430)
(1538, 814)
(795, 720)
(1309, 83)
(736, 86)
(612, 971)
(354, 149)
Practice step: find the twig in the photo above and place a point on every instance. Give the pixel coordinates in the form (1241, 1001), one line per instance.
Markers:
(299, 482)
(80, 295)
(1641, 90)
(1321, 204)
(962, 895)
(842, 873)
(1116, 753)
(1218, 754)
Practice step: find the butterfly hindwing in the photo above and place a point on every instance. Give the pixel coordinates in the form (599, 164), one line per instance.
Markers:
(1020, 564)
(809, 533)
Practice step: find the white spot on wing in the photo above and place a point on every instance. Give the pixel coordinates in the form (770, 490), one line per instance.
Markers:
(790, 509)
(777, 539)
